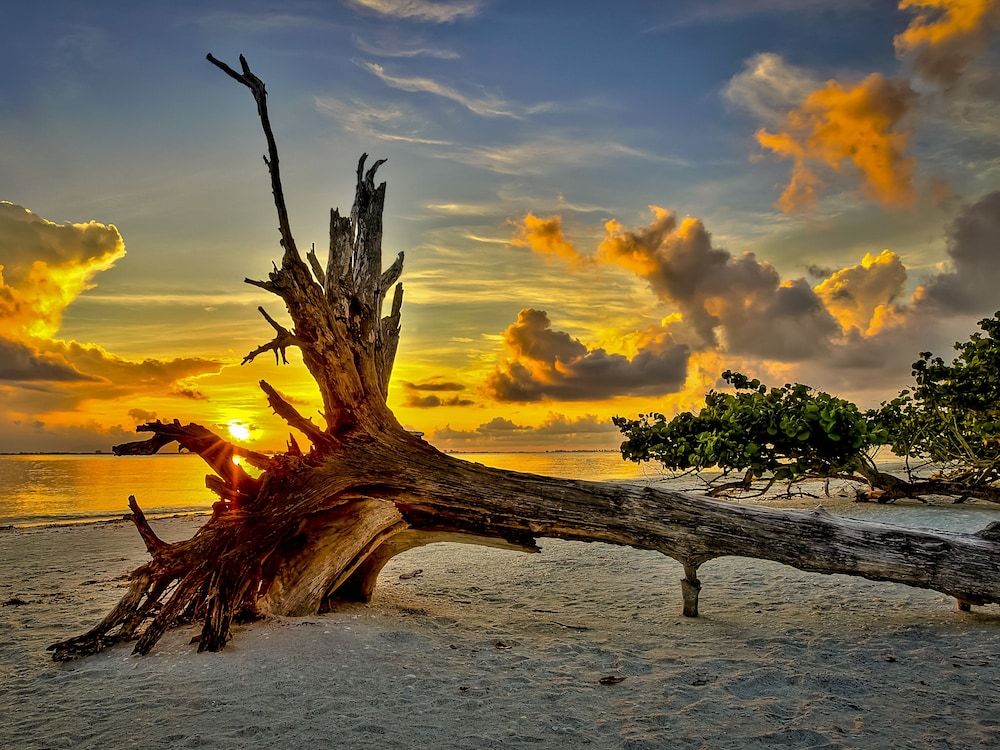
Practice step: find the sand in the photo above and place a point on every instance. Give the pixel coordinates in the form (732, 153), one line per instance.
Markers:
(488, 648)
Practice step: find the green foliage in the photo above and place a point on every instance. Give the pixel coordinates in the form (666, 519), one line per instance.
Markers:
(787, 432)
(950, 419)
(952, 414)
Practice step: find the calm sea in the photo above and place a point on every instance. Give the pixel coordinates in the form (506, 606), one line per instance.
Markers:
(67, 489)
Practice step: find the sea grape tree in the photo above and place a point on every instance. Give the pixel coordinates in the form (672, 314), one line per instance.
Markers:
(948, 423)
(789, 433)
(946, 429)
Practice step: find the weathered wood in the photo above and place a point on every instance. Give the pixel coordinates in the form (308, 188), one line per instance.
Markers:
(360, 585)
(318, 527)
(690, 589)
(279, 344)
(154, 545)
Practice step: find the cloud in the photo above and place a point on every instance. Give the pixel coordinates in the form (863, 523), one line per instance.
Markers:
(141, 415)
(942, 309)
(835, 126)
(559, 424)
(855, 294)
(125, 375)
(852, 332)
(191, 393)
(945, 36)
(586, 431)
(500, 425)
(386, 122)
(432, 11)
(44, 266)
(703, 12)
(769, 87)
(544, 235)
(547, 153)
(404, 52)
(19, 362)
(972, 282)
(741, 298)
(434, 385)
(542, 363)
(262, 22)
(487, 106)
(425, 395)
(31, 434)
(864, 127)
(818, 271)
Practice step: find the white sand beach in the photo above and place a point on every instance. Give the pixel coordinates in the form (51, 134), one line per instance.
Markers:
(488, 648)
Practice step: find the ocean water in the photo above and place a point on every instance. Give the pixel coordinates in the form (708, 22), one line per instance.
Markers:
(43, 489)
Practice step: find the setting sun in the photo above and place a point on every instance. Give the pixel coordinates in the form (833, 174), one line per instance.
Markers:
(238, 429)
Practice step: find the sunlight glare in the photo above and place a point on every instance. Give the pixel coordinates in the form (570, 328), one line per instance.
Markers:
(238, 429)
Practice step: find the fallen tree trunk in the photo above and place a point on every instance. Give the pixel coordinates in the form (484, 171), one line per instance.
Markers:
(318, 526)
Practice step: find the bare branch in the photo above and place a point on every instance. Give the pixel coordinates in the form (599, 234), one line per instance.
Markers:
(390, 276)
(259, 92)
(317, 269)
(216, 452)
(291, 415)
(278, 344)
(220, 488)
(266, 285)
(389, 340)
(366, 217)
(154, 545)
(226, 69)
(370, 174)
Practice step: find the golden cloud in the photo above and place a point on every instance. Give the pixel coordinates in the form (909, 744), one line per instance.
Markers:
(835, 126)
(544, 235)
(543, 363)
(46, 266)
(851, 331)
(857, 296)
(739, 298)
(741, 306)
(946, 35)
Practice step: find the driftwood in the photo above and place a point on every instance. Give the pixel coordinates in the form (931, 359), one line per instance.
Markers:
(317, 526)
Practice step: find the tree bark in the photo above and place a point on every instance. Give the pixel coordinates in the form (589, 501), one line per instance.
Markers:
(890, 487)
(317, 526)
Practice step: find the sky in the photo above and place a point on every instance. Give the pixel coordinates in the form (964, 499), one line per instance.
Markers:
(603, 206)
